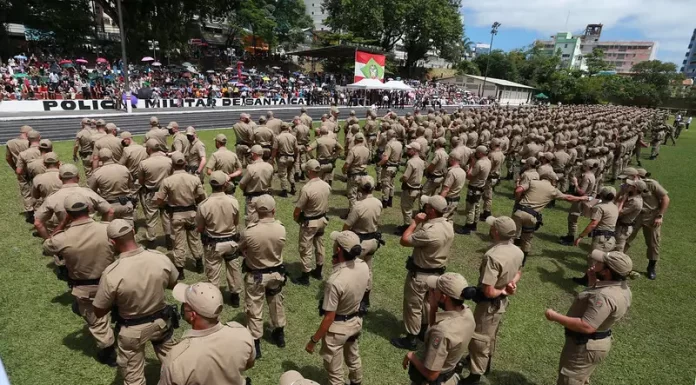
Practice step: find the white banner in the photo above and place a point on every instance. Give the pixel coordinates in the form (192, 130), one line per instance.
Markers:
(11, 106)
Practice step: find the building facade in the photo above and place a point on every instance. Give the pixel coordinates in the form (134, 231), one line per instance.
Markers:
(503, 91)
(568, 46)
(313, 10)
(689, 64)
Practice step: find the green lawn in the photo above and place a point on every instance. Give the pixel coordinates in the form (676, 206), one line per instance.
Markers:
(43, 342)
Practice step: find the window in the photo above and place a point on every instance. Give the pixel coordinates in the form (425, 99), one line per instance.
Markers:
(566, 46)
(621, 56)
(312, 13)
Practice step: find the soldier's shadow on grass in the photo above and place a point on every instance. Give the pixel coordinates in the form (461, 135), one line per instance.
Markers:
(314, 373)
(64, 299)
(337, 212)
(152, 372)
(497, 377)
(81, 340)
(382, 323)
(558, 278)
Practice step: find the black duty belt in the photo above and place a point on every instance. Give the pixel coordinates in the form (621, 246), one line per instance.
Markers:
(606, 233)
(405, 186)
(368, 236)
(582, 338)
(215, 240)
(412, 267)
(313, 217)
(432, 176)
(85, 154)
(242, 144)
(83, 282)
(476, 189)
(326, 161)
(180, 209)
(284, 154)
(559, 170)
(359, 173)
(626, 224)
(267, 270)
(266, 146)
(392, 164)
(255, 194)
(346, 317)
(529, 211)
(122, 200)
(371, 135)
(151, 190)
(161, 314)
(452, 199)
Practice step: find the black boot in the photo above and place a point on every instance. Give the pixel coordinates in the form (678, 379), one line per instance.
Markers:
(639, 165)
(168, 242)
(400, 229)
(409, 342)
(293, 191)
(234, 300)
(567, 240)
(107, 356)
(391, 201)
(316, 273)
(199, 265)
(278, 337)
(484, 215)
(364, 303)
(29, 217)
(75, 308)
(524, 260)
(651, 270)
(472, 379)
(582, 280)
(150, 244)
(257, 346)
(301, 280)
(421, 333)
(283, 194)
(466, 229)
(378, 186)
(385, 203)
(182, 276)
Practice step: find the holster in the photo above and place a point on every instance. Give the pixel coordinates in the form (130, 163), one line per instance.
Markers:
(473, 195)
(376, 235)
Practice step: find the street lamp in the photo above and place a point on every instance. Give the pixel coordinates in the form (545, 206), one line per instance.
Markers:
(154, 46)
(494, 31)
(124, 68)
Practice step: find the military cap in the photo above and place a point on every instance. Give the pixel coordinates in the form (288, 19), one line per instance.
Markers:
(110, 127)
(359, 137)
(346, 239)
(153, 121)
(50, 158)
(45, 144)
(105, 154)
(505, 226)
(221, 138)
(173, 125)
(311, 165)
(265, 203)
(126, 135)
(76, 202)
(118, 228)
(256, 149)
(190, 130)
(218, 178)
(618, 262)
(178, 158)
(203, 297)
(450, 284)
(152, 144)
(437, 202)
(33, 135)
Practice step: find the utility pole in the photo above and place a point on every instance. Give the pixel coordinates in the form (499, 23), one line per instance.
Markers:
(494, 31)
(124, 68)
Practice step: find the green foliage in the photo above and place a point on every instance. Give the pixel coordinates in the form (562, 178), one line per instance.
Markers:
(596, 63)
(466, 67)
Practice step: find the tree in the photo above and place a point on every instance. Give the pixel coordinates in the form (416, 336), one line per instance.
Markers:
(596, 63)
(291, 21)
(435, 24)
(655, 79)
(501, 65)
(466, 67)
(380, 22)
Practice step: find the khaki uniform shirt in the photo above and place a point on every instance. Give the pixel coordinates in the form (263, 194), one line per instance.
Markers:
(158, 134)
(111, 181)
(86, 250)
(630, 210)
(181, 189)
(217, 214)
(258, 177)
(132, 156)
(498, 267)
(480, 172)
(244, 133)
(327, 148)
(364, 216)
(204, 356)
(224, 160)
(46, 184)
(342, 294)
(27, 156)
(561, 161)
(55, 203)
(274, 125)
(306, 119)
(393, 151)
(154, 169)
(455, 180)
(36, 167)
(262, 244)
(601, 306)
(587, 182)
(314, 198)
(112, 143)
(286, 143)
(472, 139)
(413, 175)
(84, 139)
(424, 147)
(16, 146)
(371, 127)
(538, 193)
(195, 153)
(439, 161)
(651, 199)
(447, 341)
(497, 160)
(302, 134)
(606, 213)
(96, 136)
(432, 243)
(357, 159)
(264, 136)
(135, 283)
(180, 143)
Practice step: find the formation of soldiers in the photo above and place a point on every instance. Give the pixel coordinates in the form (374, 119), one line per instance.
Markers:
(572, 153)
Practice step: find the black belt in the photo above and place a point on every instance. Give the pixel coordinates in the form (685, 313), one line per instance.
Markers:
(433, 176)
(412, 267)
(368, 236)
(346, 317)
(581, 338)
(160, 314)
(243, 144)
(151, 190)
(405, 186)
(359, 173)
(453, 199)
(313, 217)
(371, 135)
(85, 154)
(180, 209)
(326, 161)
(606, 233)
(626, 224)
(267, 270)
(529, 211)
(266, 146)
(255, 194)
(123, 200)
(282, 154)
(559, 171)
(476, 189)
(392, 164)
(83, 282)
(213, 240)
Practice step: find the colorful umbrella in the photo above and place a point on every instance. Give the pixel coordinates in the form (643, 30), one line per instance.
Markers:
(20, 75)
(266, 79)
(81, 61)
(147, 58)
(65, 61)
(20, 57)
(67, 65)
(229, 69)
(102, 60)
(186, 64)
(210, 71)
(156, 64)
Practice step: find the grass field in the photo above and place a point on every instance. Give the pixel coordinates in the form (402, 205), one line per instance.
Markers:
(43, 342)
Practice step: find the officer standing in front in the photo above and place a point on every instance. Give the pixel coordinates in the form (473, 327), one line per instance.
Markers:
(430, 235)
(450, 334)
(83, 146)
(255, 182)
(156, 133)
(630, 205)
(203, 356)
(589, 320)
(179, 142)
(179, 194)
(244, 133)
(23, 158)
(151, 173)
(85, 249)
(195, 156)
(285, 150)
(500, 270)
(217, 219)
(133, 155)
(310, 213)
(135, 284)
(436, 169)
(47, 183)
(453, 184)
(389, 164)
(477, 175)
(342, 323)
(114, 183)
(355, 167)
(410, 184)
(262, 245)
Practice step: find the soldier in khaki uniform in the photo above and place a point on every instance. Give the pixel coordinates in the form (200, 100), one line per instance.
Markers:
(217, 219)
(364, 220)
(436, 169)
(446, 342)
(310, 213)
(133, 155)
(109, 141)
(342, 323)
(23, 158)
(389, 164)
(410, 184)
(477, 175)
(327, 151)
(151, 173)
(497, 158)
(453, 184)
(244, 133)
(255, 182)
(51, 215)
(36, 166)
(179, 194)
(370, 130)
(156, 133)
(273, 123)
(114, 183)
(203, 356)
(500, 270)
(85, 249)
(262, 247)
(47, 183)
(431, 236)
(224, 160)
(135, 283)
(355, 166)
(84, 147)
(265, 137)
(630, 206)
(285, 151)
(306, 119)
(195, 156)
(582, 187)
(179, 142)
(302, 133)
(655, 204)
(13, 148)
(590, 318)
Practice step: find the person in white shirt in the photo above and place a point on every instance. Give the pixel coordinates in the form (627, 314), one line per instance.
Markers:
(688, 121)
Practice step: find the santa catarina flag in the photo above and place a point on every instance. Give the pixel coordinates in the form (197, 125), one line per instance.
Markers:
(368, 65)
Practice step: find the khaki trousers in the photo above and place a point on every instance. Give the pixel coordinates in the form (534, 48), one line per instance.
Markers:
(431, 186)
(152, 214)
(472, 211)
(184, 232)
(623, 233)
(242, 151)
(526, 224)
(87, 164)
(100, 328)
(487, 194)
(415, 307)
(387, 179)
(286, 164)
(214, 263)
(408, 198)
(25, 191)
(579, 361)
(326, 171)
(125, 212)
(482, 344)
(337, 348)
(311, 244)
(652, 236)
(352, 190)
(255, 290)
(131, 349)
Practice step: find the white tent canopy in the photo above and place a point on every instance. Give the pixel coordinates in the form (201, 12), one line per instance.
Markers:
(397, 85)
(368, 84)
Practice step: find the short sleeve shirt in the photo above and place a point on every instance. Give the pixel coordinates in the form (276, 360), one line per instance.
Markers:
(432, 243)
(314, 198)
(447, 341)
(364, 216)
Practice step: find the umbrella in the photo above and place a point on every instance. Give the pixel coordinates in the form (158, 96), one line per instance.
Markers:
(156, 64)
(133, 99)
(102, 60)
(240, 84)
(541, 95)
(20, 75)
(64, 61)
(147, 58)
(67, 65)
(81, 61)
(266, 79)
(186, 64)
(275, 68)
(20, 57)
(245, 74)
(210, 71)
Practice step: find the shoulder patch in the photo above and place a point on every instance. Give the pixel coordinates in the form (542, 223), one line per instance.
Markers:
(436, 342)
